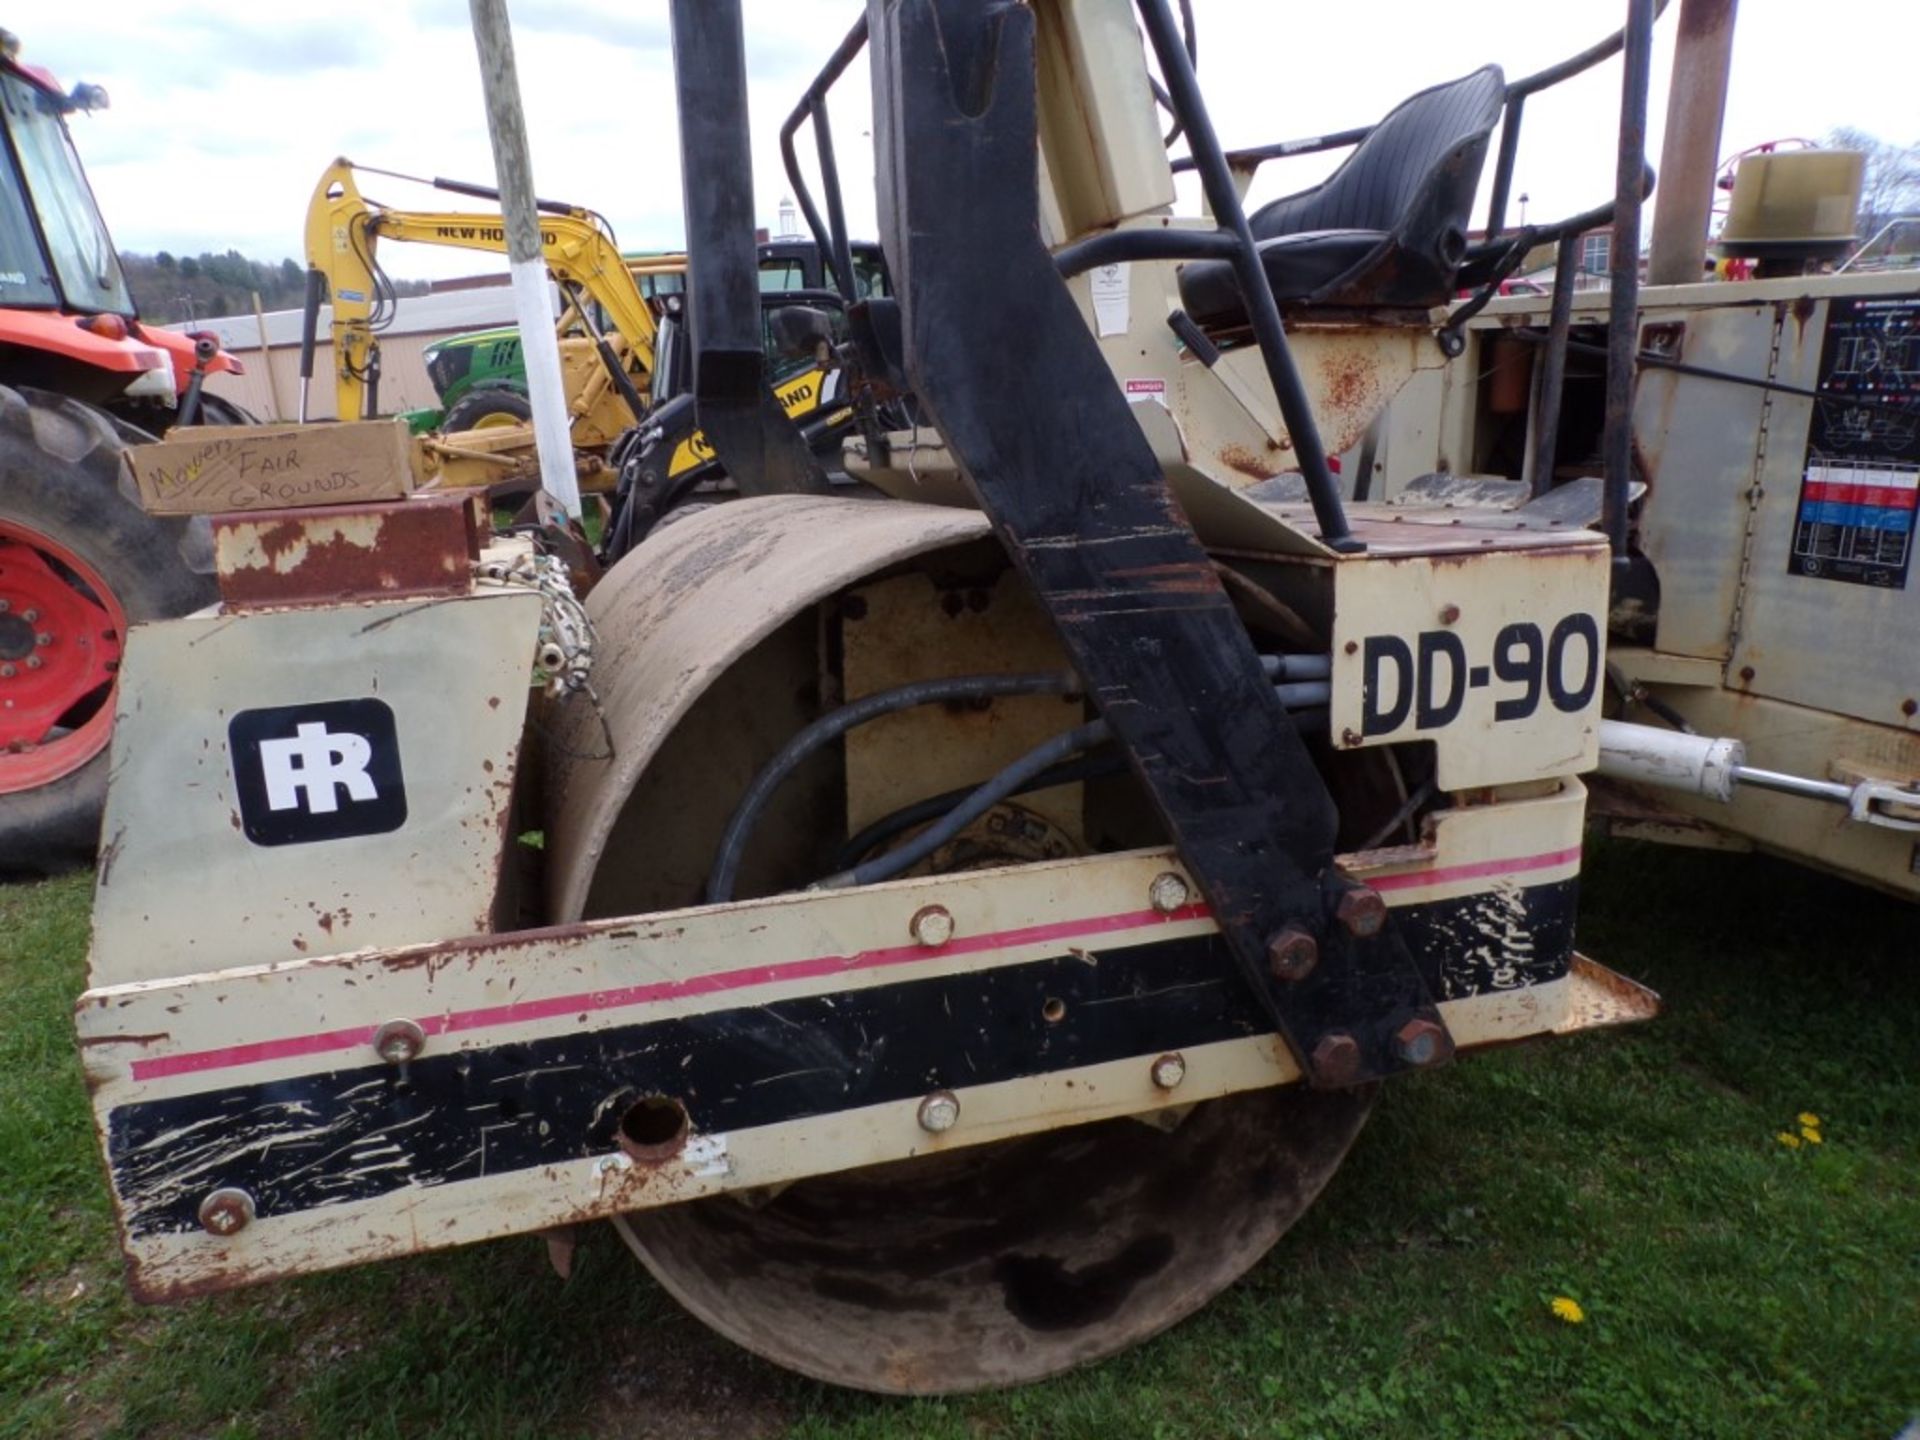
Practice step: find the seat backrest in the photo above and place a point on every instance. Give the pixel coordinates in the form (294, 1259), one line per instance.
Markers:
(1413, 177)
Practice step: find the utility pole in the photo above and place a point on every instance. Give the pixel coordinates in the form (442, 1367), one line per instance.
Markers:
(532, 299)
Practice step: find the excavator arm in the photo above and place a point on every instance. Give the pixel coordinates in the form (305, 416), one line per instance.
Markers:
(344, 231)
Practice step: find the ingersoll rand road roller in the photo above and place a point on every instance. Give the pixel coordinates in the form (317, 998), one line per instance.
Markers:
(980, 890)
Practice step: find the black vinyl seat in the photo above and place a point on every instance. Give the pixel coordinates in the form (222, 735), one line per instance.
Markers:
(1388, 228)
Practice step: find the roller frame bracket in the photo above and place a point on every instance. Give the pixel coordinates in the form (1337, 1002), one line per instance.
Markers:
(1076, 497)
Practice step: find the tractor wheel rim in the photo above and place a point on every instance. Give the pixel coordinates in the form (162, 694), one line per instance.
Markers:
(61, 631)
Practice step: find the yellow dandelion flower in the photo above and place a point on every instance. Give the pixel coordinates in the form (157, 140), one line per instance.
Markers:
(1788, 1139)
(1811, 1135)
(1808, 1119)
(1567, 1309)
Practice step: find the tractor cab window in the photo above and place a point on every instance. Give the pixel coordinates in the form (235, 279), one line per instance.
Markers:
(25, 277)
(870, 274)
(87, 270)
(781, 274)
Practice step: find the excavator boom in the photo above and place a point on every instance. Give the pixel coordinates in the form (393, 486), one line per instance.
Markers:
(344, 231)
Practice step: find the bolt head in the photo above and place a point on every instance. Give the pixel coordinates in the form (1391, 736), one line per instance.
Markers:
(1361, 911)
(1168, 892)
(7, 672)
(1422, 1042)
(1449, 614)
(932, 926)
(940, 1112)
(1169, 1071)
(1292, 954)
(1336, 1059)
(34, 662)
(399, 1041)
(45, 637)
(30, 615)
(226, 1211)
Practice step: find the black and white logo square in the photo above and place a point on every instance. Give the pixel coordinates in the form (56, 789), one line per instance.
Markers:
(324, 771)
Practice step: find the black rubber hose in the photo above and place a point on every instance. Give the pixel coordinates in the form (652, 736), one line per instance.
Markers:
(1018, 776)
(1086, 767)
(835, 723)
(982, 799)
(1096, 766)
(1303, 682)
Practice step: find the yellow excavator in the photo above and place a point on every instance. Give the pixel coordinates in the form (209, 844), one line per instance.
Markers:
(607, 325)
(607, 328)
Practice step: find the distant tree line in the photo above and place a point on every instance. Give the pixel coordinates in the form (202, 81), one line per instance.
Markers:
(1891, 189)
(168, 287)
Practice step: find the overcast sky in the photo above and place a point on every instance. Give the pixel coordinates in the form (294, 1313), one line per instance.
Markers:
(225, 111)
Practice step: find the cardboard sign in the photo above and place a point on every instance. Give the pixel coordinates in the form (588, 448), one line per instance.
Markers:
(207, 469)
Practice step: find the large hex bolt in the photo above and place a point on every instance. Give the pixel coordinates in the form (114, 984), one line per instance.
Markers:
(1292, 953)
(1361, 911)
(931, 926)
(399, 1041)
(1336, 1059)
(1422, 1042)
(1168, 892)
(939, 1112)
(226, 1211)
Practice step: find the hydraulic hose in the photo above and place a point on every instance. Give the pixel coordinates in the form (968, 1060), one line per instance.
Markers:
(1020, 775)
(835, 723)
(1303, 684)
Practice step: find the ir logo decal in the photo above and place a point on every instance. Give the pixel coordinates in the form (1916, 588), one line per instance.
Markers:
(325, 771)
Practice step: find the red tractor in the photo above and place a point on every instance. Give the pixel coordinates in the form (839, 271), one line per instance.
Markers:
(80, 378)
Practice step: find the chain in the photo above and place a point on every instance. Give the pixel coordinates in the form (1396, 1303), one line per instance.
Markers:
(565, 652)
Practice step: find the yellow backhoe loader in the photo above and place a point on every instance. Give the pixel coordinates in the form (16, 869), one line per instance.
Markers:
(607, 326)
(608, 329)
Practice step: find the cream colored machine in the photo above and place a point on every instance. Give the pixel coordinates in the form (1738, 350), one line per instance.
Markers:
(988, 894)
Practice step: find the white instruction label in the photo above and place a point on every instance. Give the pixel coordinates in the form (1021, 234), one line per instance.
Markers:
(1110, 308)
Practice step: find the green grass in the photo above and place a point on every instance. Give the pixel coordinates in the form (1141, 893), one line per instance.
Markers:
(1732, 1286)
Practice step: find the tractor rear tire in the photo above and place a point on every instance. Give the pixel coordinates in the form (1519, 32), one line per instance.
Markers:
(61, 499)
(491, 404)
(218, 410)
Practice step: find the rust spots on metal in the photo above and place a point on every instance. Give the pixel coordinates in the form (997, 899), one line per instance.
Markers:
(87, 1040)
(654, 1129)
(1238, 457)
(1351, 394)
(386, 550)
(1802, 312)
(1181, 578)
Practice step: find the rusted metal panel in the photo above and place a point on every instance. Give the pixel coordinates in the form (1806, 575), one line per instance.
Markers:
(1801, 632)
(338, 553)
(183, 887)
